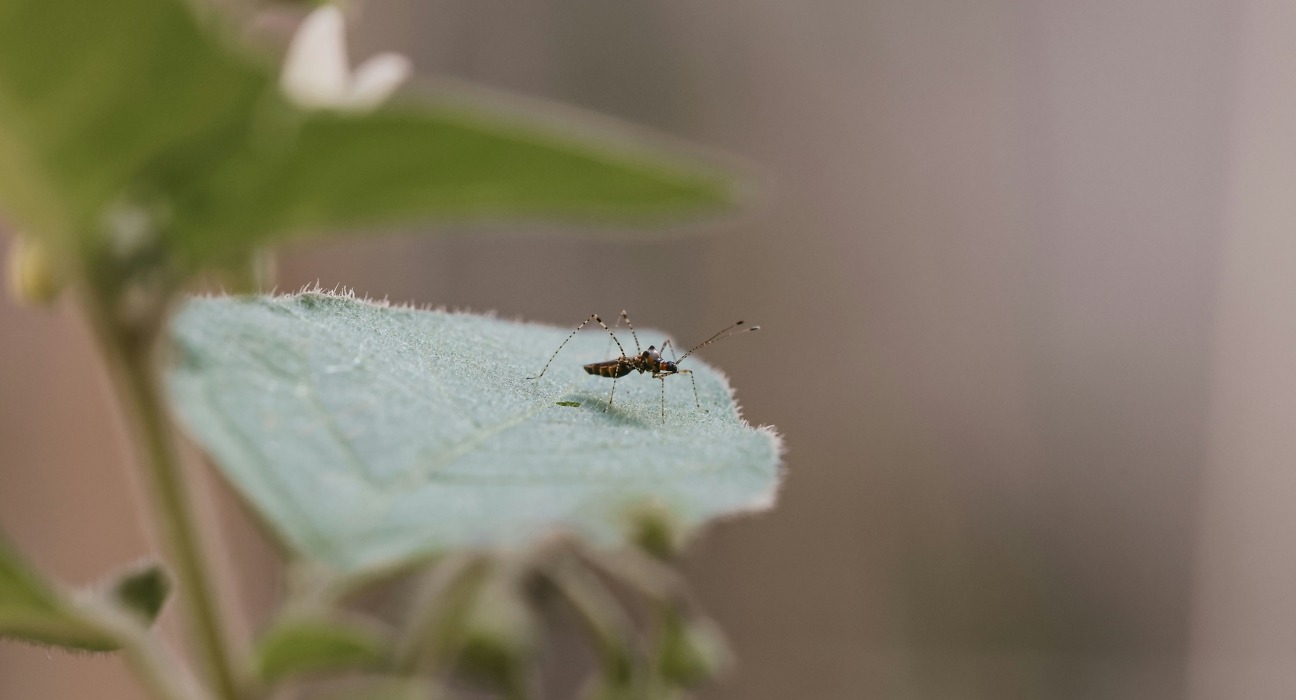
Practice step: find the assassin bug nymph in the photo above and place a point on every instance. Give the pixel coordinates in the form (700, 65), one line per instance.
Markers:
(649, 360)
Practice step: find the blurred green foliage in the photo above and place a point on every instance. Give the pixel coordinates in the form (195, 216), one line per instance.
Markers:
(139, 146)
(38, 611)
(304, 643)
(133, 108)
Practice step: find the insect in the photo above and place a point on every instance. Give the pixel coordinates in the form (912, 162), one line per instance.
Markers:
(649, 360)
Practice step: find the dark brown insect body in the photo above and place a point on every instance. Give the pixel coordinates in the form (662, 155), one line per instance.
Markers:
(610, 369)
(649, 360)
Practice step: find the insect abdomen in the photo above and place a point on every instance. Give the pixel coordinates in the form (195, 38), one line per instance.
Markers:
(609, 369)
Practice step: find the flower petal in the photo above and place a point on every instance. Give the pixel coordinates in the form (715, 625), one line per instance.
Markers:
(315, 70)
(377, 78)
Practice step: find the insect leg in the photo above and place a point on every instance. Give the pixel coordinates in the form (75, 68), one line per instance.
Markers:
(662, 379)
(696, 399)
(593, 317)
(610, 334)
(616, 327)
(609, 406)
(626, 317)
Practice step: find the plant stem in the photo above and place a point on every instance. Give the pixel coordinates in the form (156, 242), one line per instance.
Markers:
(129, 355)
(599, 611)
(152, 661)
(438, 610)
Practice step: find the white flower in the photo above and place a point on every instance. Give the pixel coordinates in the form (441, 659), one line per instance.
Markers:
(316, 74)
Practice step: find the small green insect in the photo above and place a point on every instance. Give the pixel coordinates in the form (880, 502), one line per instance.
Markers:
(573, 404)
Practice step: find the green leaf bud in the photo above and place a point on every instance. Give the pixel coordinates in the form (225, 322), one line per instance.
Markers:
(141, 590)
(34, 275)
(691, 650)
(656, 530)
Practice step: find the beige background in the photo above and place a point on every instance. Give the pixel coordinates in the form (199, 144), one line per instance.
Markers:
(1026, 273)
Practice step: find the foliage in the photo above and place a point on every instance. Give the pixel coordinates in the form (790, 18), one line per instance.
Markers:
(32, 609)
(370, 435)
(139, 147)
(127, 120)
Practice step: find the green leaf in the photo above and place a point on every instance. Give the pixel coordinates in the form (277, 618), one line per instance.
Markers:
(302, 644)
(97, 97)
(142, 590)
(369, 435)
(36, 611)
(133, 107)
(435, 163)
(382, 688)
(690, 651)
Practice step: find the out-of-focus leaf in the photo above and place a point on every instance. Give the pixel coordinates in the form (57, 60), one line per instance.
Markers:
(134, 104)
(371, 435)
(132, 99)
(142, 590)
(435, 164)
(381, 688)
(36, 611)
(302, 644)
(35, 276)
(99, 97)
(690, 650)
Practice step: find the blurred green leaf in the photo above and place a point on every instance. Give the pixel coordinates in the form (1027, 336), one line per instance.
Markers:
(133, 104)
(690, 650)
(35, 611)
(371, 435)
(302, 644)
(434, 164)
(35, 275)
(142, 590)
(97, 98)
(382, 688)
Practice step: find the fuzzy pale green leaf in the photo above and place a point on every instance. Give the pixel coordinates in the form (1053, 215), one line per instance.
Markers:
(368, 435)
(36, 611)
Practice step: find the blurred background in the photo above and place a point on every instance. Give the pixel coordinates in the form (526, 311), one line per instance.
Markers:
(1026, 270)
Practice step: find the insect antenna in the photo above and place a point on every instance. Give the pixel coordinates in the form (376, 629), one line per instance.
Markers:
(731, 330)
